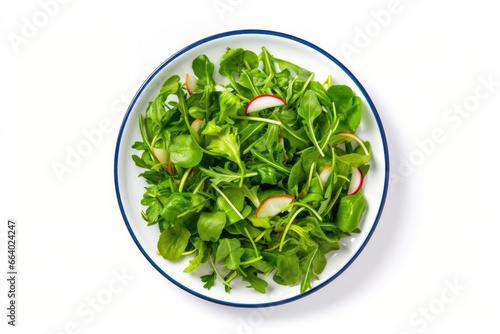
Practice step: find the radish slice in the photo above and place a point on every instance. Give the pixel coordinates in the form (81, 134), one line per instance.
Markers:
(196, 125)
(273, 205)
(264, 101)
(190, 83)
(325, 174)
(356, 182)
(161, 155)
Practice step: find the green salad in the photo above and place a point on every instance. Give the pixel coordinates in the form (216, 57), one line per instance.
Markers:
(256, 176)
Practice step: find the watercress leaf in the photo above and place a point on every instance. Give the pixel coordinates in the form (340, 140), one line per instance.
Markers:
(226, 246)
(210, 225)
(184, 151)
(176, 204)
(233, 209)
(173, 241)
(350, 211)
(233, 259)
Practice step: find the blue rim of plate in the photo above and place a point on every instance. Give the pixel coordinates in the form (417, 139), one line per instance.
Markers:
(343, 68)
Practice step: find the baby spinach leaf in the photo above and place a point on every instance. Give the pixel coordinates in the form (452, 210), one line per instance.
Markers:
(351, 209)
(288, 270)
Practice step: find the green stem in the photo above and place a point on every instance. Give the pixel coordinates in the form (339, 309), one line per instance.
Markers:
(217, 272)
(257, 254)
(184, 179)
(228, 201)
(251, 261)
(309, 208)
(200, 184)
(258, 119)
(357, 139)
(288, 227)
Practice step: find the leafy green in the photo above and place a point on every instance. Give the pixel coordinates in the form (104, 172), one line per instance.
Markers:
(205, 186)
(173, 241)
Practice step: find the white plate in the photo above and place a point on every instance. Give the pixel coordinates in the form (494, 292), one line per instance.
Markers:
(130, 188)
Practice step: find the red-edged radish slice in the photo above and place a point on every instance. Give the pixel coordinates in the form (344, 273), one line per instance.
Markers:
(325, 174)
(273, 205)
(264, 101)
(161, 154)
(196, 125)
(190, 83)
(356, 182)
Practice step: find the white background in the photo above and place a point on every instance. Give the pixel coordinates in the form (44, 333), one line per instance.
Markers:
(429, 267)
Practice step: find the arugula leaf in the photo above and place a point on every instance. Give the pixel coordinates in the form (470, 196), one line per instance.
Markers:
(201, 255)
(309, 110)
(209, 280)
(313, 265)
(255, 282)
(348, 106)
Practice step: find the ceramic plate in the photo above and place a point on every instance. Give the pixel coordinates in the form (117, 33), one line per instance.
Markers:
(130, 188)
